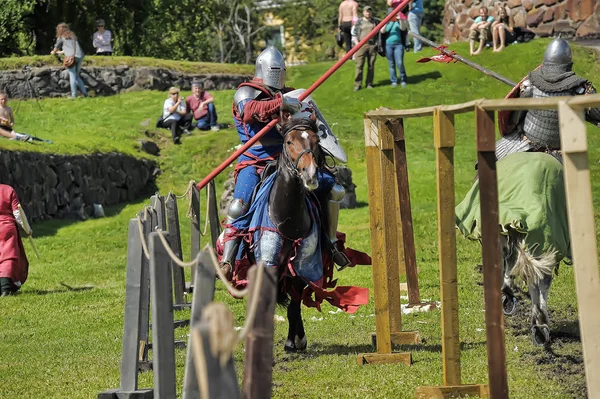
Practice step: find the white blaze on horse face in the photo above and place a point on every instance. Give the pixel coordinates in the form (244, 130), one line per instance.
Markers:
(305, 135)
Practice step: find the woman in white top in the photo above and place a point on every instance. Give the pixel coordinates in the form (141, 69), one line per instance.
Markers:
(102, 39)
(67, 44)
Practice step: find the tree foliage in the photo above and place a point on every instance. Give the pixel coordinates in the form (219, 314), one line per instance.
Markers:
(196, 30)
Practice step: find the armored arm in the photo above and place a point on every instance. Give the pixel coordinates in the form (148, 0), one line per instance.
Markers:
(592, 115)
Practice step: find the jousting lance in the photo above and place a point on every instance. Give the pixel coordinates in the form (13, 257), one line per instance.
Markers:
(448, 56)
(302, 96)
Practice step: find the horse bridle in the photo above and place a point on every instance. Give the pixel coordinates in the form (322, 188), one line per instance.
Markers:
(287, 155)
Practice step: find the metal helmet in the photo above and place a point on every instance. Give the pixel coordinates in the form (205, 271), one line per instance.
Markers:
(270, 67)
(558, 52)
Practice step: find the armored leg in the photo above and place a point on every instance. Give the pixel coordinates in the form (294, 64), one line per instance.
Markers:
(333, 206)
(237, 208)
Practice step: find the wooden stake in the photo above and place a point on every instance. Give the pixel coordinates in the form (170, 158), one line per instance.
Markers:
(583, 238)
(490, 247)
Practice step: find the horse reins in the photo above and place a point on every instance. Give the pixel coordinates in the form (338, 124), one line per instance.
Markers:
(307, 151)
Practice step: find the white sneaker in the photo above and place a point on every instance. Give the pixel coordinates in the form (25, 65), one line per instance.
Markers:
(215, 128)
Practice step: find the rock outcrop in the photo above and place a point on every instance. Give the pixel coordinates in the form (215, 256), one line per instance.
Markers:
(54, 81)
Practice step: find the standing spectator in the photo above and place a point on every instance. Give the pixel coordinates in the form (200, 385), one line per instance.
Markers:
(201, 104)
(480, 30)
(14, 265)
(347, 16)
(67, 44)
(503, 30)
(7, 121)
(175, 115)
(394, 50)
(102, 39)
(415, 18)
(360, 30)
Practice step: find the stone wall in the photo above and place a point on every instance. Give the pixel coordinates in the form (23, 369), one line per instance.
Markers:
(58, 186)
(569, 18)
(54, 81)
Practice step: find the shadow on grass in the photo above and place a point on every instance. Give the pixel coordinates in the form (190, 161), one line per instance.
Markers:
(50, 227)
(359, 204)
(412, 79)
(59, 291)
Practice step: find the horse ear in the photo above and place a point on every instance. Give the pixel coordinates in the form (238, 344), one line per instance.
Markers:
(313, 116)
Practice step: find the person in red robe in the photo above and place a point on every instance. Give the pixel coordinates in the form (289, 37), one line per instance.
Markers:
(14, 265)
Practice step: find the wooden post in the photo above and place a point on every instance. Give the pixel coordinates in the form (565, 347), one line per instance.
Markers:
(443, 130)
(258, 361)
(175, 243)
(386, 284)
(149, 219)
(213, 213)
(490, 247)
(194, 232)
(444, 141)
(163, 337)
(583, 238)
(203, 295)
(157, 202)
(405, 228)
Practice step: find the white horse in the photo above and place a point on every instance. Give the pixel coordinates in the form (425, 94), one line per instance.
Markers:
(534, 232)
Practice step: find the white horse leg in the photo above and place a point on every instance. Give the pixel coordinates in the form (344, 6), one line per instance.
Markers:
(509, 302)
(539, 313)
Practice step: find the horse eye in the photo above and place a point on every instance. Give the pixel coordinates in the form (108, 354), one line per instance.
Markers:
(289, 142)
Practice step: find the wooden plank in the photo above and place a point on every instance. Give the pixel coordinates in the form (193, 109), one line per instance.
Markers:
(172, 217)
(457, 391)
(583, 239)
(203, 295)
(443, 130)
(389, 221)
(163, 337)
(258, 360)
(406, 230)
(490, 247)
(379, 269)
(195, 230)
(523, 104)
(149, 220)
(157, 202)
(384, 358)
(133, 296)
(213, 215)
(400, 338)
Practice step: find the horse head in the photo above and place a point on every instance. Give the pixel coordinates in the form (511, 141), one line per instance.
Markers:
(301, 154)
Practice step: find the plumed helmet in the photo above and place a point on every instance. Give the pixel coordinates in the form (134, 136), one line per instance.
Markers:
(558, 52)
(270, 67)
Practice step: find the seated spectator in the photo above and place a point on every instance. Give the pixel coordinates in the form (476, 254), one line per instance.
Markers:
(201, 104)
(503, 30)
(175, 115)
(480, 30)
(102, 39)
(7, 121)
(14, 265)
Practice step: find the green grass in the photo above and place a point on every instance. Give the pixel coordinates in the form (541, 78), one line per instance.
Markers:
(132, 62)
(63, 342)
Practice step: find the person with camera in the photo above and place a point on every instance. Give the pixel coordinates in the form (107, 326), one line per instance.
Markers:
(201, 105)
(67, 44)
(175, 115)
(7, 121)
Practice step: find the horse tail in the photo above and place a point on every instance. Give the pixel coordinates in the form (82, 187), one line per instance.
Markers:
(530, 268)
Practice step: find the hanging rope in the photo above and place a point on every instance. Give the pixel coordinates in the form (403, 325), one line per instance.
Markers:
(142, 238)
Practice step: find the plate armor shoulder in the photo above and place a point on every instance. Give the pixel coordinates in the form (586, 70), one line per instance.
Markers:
(242, 95)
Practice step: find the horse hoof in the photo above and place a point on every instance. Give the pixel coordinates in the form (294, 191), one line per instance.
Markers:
(300, 343)
(540, 335)
(509, 304)
(289, 346)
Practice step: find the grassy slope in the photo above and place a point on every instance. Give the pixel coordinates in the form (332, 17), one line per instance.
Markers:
(60, 342)
(98, 61)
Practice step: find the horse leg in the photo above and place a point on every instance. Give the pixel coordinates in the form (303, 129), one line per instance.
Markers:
(539, 315)
(300, 339)
(293, 311)
(509, 301)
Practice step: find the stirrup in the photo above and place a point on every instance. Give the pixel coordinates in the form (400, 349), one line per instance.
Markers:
(339, 258)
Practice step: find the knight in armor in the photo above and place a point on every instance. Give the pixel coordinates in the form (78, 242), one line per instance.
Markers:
(538, 130)
(255, 104)
(14, 265)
